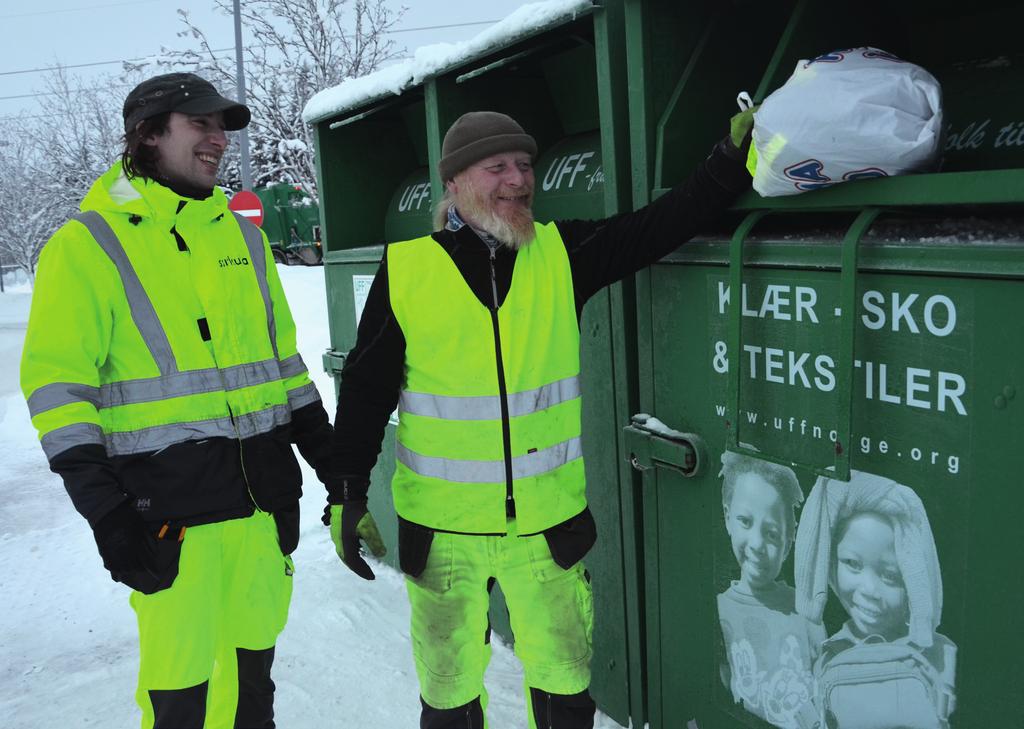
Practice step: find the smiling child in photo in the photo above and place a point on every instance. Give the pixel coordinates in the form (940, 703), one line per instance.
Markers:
(870, 541)
(770, 648)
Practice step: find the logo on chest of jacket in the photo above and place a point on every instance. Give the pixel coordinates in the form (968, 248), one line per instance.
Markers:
(142, 504)
(225, 262)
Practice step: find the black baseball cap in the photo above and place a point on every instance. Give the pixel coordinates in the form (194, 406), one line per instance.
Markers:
(182, 92)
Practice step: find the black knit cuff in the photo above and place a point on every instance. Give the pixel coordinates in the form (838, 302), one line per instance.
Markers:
(343, 489)
(727, 166)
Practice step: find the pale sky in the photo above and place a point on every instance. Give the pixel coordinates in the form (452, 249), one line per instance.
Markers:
(71, 32)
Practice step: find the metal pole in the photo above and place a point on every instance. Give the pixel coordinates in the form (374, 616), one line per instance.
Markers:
(240, 75)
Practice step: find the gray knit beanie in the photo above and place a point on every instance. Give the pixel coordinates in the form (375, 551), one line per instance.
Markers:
(480, 134)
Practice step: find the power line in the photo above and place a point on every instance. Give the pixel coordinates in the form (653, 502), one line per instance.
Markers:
(71, 10)
(73, 91)
(438, 27)
(96, 63)
(41, 69)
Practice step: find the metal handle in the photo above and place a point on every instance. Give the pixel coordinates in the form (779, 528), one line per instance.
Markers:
(684, 453)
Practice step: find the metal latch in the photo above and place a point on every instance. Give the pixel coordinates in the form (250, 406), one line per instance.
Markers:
(334, 362)
(652, 444)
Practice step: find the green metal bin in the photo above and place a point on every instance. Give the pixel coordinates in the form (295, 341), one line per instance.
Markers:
(864, 339)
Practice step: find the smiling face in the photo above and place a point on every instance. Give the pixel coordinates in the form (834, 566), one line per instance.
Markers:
(189, 150)
(496, 195)
(755, 519)
(868, 578)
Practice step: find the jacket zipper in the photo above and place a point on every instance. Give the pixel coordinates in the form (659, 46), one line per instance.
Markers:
(241, 458)
(506, 433)
(231, 414)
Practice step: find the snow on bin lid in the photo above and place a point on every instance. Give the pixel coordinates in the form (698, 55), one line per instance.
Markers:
(431, 60)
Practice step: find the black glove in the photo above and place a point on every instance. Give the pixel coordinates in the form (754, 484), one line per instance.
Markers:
(287, 520)
(121, 539)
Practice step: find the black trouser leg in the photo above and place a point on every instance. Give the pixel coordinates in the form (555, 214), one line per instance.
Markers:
(179, 708)
(467, 716)
(560, 711)
(255, 689)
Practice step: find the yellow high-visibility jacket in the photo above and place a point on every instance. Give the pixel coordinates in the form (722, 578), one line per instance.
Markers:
(156, 321)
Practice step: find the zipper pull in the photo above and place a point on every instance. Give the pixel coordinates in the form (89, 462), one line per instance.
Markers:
(494, 279)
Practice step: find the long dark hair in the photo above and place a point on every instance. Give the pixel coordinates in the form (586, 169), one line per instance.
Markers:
(139, 159)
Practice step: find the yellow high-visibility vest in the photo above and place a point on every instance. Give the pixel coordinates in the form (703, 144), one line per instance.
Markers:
(453, 467)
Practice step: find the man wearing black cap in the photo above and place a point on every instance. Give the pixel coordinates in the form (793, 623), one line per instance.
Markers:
(473, 332)
(161, 370)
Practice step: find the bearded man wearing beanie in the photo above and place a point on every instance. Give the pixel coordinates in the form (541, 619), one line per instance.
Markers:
(161, 371)
(473, 332)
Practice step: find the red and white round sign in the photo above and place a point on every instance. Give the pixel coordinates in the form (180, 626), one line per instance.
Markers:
(247, 204)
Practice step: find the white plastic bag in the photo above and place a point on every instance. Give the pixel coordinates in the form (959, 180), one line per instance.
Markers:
(846, 115)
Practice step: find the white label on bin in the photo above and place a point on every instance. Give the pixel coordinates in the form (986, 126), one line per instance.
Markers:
(360, 290)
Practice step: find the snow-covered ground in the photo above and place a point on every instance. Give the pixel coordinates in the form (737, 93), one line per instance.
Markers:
(68, 651)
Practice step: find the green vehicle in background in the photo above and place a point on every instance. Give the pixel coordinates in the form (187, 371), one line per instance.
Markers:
(291, 220)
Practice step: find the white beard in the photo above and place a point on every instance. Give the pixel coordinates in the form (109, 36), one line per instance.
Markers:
(514, 231)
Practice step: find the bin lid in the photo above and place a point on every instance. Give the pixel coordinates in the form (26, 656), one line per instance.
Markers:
(409, 212)
(569, 180)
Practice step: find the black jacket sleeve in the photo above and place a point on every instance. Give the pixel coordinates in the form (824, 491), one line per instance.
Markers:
(370, 383)
(90, 480)
(312, 433)
(602, 252)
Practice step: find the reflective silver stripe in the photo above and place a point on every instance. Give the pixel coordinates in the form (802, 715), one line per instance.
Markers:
(262, 421)
(482, 407)
(191, 382)
(534, 464)
(57, 394)
(464, 471)
(292, 366)
(542, 398)
(143, 313)
(59, 440)
(161, 436)
(488, 407)
(251, 373)
(304, 395)
(254, 241)
(449, 469)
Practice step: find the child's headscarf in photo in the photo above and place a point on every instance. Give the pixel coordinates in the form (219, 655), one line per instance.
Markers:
(831, 502)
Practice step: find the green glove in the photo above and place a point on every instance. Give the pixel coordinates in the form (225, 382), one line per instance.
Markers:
(351, 522)
(740, 127)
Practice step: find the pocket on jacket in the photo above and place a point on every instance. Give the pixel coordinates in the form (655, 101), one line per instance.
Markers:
(160, 565)
(570, 541)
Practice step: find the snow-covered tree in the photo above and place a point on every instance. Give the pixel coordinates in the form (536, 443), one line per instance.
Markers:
(26, 217)
(297, 47)
(78, 139)
(48, 162)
